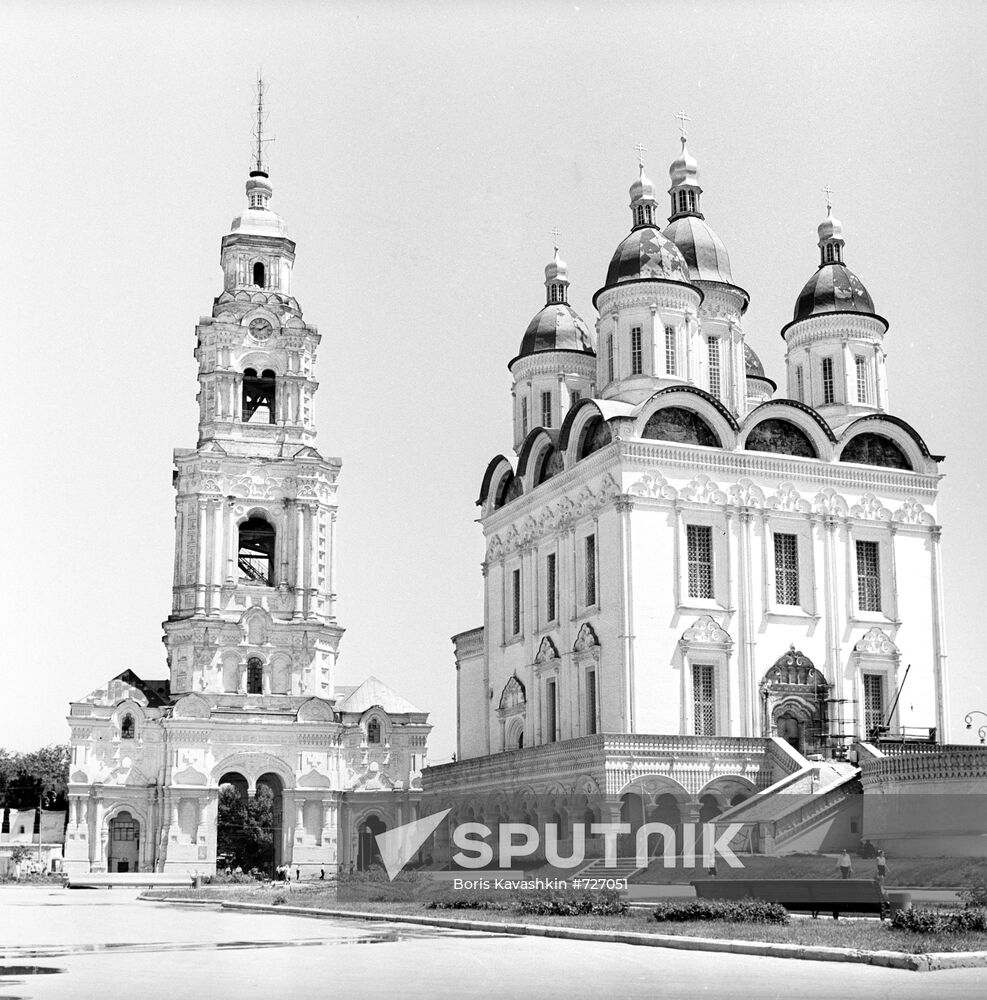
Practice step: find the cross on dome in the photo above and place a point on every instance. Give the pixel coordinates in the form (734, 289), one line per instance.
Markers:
(555, 239)
(828, 191)
(640, 150)
(683, 118)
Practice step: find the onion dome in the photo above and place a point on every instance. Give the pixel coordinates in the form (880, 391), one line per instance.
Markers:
(645, 253)
(557, 326)
(834, 288)
(703, 250)
(257, 219)
(754, 368)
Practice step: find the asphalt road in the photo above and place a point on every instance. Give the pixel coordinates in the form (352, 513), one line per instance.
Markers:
(57, 943)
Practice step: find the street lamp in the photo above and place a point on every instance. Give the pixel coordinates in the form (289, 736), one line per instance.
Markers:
(982, 731)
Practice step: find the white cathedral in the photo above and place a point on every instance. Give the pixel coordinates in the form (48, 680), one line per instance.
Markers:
(251, 697)
(698, 588)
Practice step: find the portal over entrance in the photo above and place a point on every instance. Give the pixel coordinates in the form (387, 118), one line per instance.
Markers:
(123, 852)
(369, 853)
(249, 829)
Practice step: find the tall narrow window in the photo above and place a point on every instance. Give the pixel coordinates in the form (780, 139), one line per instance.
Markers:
(671, 354)
(692, 201)
(640, 215)
(546, 409)
(713, 349)
(589, 558)
(861, 364)
(786, 569)
(635, 350)
(868, 577)
(259, 275)
(258, 396)
(799, 384)
(592, 709)
(255, 675)
(699, 546)
(574, 397)
(610, 358)
(829, 253)
(255, 552)
(827, 380)
(516, 602)
(524, 418)
(873, 704)
(551, 588)
(551, 712)
(704, 699)
(682, 201)
(373, 731)
(127, 727)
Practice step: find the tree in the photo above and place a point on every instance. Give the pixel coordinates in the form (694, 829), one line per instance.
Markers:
(48, 770)
(245, 833)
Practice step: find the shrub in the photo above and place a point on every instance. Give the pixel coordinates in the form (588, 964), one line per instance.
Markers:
(474, 900)
(741, 911)
(221, 878)
(280, 898)
(975, 894)
(937, 922)
(565, 903)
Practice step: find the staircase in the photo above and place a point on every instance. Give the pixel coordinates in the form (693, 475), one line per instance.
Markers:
(624, 868)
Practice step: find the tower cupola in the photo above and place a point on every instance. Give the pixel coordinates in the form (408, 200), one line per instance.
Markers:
(685, 190)
(644, 204)
(830, 239)
(557, 281)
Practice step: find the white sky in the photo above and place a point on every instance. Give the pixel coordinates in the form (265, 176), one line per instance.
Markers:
(424, 153)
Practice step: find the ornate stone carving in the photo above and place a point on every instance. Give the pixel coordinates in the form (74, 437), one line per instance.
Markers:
(546, 651)
(788, 498)
(703, 490)
(870, 509)
(829, 502)
(912, 512)
(704, 630)
(744, 493)
(876, 642)
(654, 484)
(586, 639)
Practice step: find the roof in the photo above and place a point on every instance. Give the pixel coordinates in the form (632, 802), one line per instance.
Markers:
(556, 327)
(375, 692)
(645, 253)
(834, 288)
(702, 249)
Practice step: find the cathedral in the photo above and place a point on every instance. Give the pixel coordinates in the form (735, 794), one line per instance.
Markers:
(698, 586)
(251, 699)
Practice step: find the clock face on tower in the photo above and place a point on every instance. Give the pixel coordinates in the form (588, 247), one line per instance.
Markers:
(260, 329)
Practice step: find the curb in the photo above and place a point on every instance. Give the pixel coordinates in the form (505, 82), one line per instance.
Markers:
(931, 962)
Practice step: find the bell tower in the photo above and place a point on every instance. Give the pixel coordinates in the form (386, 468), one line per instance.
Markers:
(253, 591)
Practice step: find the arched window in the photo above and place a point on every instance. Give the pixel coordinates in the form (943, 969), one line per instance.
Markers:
(781, 437)
(640, 215)
(255, 675)
(829, 253)
(259, 275)
(673, 423)
(127, 727)
(596, 435)
(258, 396)
(875, 449)
(682, 201)
(255, 552)
(692, 201)
(373, 731)
(549, 465)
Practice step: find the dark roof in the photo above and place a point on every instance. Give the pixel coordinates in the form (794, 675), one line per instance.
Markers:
(645, 253)
(702, 249)
(157, 692)
(556, 327)
(834, 288)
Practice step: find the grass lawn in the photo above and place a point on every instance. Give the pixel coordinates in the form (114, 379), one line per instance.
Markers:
(901, 871)
(865, 935)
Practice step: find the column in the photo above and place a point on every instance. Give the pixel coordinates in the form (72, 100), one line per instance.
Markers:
(200, 580)
(299, 524)
(832, 631)
(219, 563)
(238, 397)
(849, 374)
(231, 541)
(746, 622)
(331, 559)
(939, 638)
(625, 505)
(299, 819)
(310, 568)
(880, 382)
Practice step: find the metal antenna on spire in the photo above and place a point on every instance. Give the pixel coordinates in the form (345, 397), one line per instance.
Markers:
(683, 118)
(828, 191)
(555, 238)
(259, 137)
(640, 150)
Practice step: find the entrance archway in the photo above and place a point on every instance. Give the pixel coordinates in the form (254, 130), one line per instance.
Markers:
(249, 830)
(369, 853)
(123, 852)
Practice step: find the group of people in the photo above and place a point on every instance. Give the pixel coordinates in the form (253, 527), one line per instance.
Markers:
(845, 864)
(283, 873)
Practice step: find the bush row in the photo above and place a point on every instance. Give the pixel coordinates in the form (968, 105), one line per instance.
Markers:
(741, 911)
(936, 922)
(553, 903)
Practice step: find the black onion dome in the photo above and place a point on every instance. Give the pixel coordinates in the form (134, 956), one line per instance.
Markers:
(645, 253)
(834, 288)
(703, 250)
(557, 327)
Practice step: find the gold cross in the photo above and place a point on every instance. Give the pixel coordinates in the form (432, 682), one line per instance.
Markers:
(555, 238)
(828, 191)
(640, 150)
(683, 118)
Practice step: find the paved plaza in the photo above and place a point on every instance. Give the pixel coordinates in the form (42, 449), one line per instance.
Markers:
(60, 943)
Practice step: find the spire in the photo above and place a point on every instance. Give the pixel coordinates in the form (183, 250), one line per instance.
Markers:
(643, 204)
(556, 276)
(830, 234)
(259, 169)
(684, 175)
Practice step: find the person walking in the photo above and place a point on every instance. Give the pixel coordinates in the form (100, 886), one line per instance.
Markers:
(845, 865)
(882, 867)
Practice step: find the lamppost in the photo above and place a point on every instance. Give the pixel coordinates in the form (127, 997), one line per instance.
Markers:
(982, 731)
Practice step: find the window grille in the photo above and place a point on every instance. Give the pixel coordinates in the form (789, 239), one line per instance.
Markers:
(635, 350)
(829, 253)
(681, 201)
(868, 577)
(713, 349)
(551, 588)
(671, 354)
(640, 215)
(574, 397)
(591, 702)
(590, 569)
(699, 545)
(516, 602)
(551, 712)
(255, 676)
(786, 569)
(799, 384)
(827, 380)
(873, 704)
(861, 380)
(610, 358)
(704, 699)
(373, 731)
(124, 829)
(692, 201)
(546, 409)
(524, 418)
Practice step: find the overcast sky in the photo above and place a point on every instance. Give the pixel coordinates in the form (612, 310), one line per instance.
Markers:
(425, 152)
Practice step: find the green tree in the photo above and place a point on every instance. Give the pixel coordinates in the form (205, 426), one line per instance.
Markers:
(246, 829)
(47, 770)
